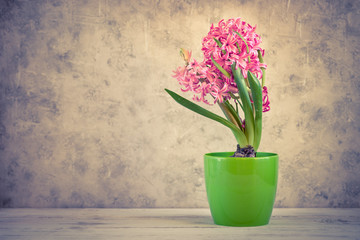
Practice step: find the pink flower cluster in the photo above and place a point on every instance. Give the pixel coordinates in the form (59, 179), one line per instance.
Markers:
(205, 78)
(266, 102)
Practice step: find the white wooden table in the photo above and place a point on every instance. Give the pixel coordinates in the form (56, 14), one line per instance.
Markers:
(188, 224)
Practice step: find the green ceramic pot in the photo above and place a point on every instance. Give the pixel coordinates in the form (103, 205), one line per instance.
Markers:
(241, 191)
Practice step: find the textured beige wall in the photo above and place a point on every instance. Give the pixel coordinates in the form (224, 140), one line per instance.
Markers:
(85, 121)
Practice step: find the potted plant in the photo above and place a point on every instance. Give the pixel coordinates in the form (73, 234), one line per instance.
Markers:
(240, 185)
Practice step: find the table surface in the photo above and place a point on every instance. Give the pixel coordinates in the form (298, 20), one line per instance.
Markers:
(192, 224)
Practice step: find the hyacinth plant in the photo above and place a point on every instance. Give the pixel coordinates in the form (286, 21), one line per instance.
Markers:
(232, 75)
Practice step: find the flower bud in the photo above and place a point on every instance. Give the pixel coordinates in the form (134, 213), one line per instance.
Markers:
(186, 55)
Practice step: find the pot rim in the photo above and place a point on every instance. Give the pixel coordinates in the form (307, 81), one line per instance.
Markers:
(227, 155)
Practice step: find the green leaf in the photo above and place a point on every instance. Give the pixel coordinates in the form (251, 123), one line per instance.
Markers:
(239, 135)
(245, 99)
(220, 68)
(236, 100)
(242, 38)
(247, 47)
(238, 46)
(230, 113)
(256, 92)
(219, 44)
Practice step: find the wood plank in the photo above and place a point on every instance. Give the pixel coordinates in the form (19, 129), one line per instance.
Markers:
(173, 224)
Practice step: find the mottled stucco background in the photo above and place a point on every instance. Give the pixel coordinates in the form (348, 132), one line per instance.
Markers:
(85, 122)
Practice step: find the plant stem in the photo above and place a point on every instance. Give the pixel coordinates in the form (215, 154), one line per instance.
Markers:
(261, 60)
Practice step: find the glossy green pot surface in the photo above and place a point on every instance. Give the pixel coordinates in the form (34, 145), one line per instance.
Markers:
(241, 191)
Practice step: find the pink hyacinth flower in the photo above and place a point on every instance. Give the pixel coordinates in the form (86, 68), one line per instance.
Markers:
(266, 102)
(224, 46)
